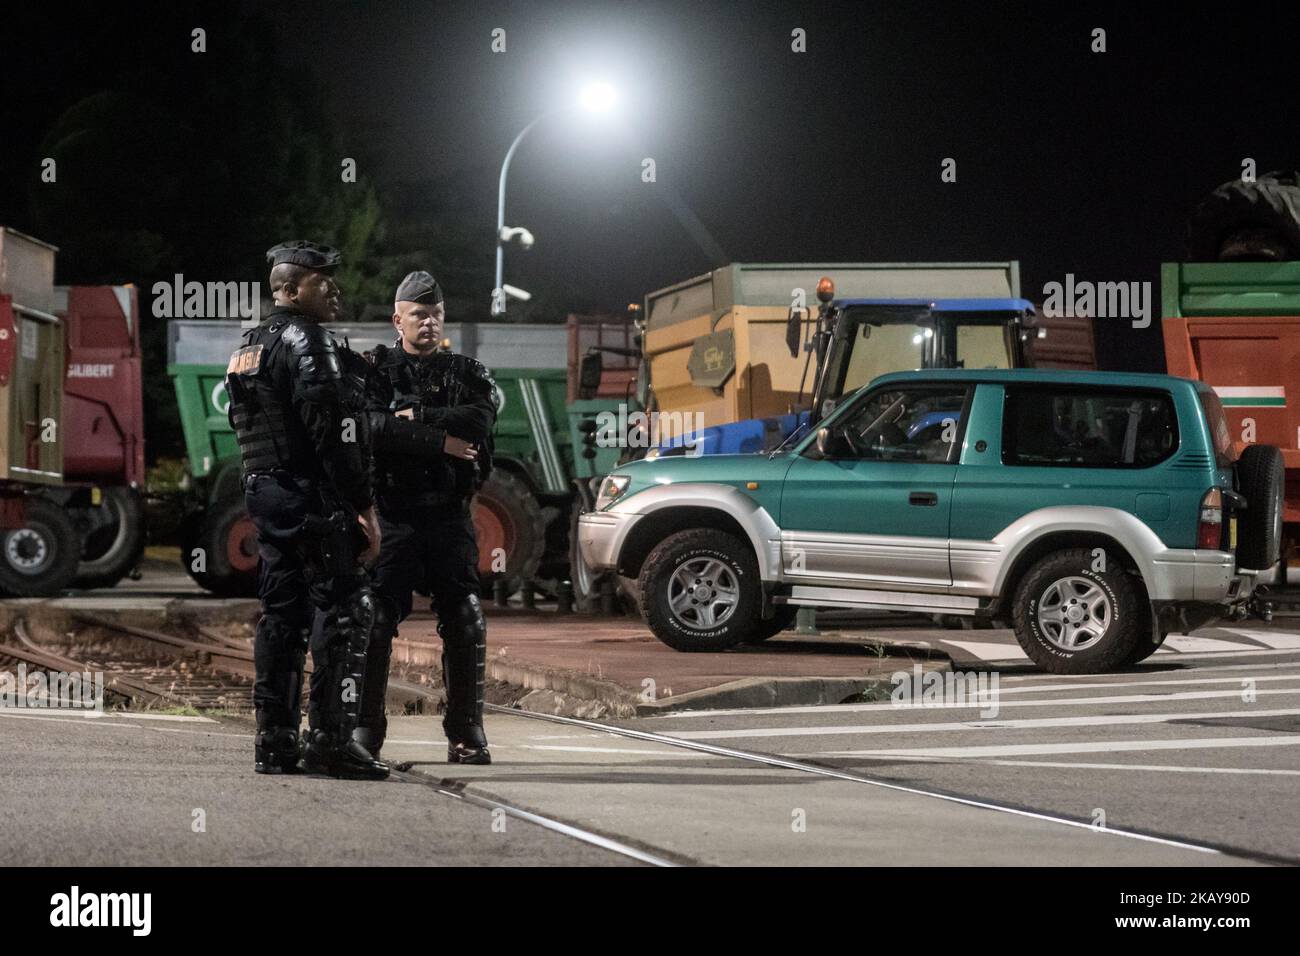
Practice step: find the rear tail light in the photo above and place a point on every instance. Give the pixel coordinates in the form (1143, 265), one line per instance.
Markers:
(1209, 529)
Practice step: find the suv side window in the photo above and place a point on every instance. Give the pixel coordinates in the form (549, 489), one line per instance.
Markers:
(1084, 427)
(901, 424)
(1212, 405)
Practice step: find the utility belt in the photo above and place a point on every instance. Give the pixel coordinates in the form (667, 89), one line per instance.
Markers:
(331, 537)
(283, 477)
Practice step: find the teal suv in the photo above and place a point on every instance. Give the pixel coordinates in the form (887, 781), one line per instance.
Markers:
(1094, 512)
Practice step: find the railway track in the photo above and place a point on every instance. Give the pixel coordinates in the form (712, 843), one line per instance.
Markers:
(168, 672)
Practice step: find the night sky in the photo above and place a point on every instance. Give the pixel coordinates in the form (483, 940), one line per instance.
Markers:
(1068, 160)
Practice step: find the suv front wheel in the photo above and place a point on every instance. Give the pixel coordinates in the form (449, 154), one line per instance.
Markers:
(1073, 619)
(700, 590)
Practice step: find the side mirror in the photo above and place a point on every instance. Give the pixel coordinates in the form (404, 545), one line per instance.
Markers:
(824, 442)
(793, 328)
(589, 373)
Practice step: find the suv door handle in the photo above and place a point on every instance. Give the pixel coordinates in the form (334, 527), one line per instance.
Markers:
(922, 498)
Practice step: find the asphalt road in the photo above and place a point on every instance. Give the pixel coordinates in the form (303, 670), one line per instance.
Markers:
(124, 791)
(1200, 743)
(1190, 758)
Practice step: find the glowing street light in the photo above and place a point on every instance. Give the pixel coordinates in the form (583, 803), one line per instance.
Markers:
(597, 98)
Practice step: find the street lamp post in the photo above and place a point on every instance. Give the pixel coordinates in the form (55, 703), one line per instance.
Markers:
(595, 98)
(498, 290)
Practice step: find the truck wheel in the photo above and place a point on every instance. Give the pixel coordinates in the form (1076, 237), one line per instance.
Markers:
(700, 590)
(585, 580)
(780, 621)
(40, 558)
(508, 517)
(1071, 619)
(110, 553)
(228, 540)
(1261, 477)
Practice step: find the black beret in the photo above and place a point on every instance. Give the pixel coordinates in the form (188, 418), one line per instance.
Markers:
(419, 287)
(309, 255)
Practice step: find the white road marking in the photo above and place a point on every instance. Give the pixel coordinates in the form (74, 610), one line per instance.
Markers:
(14, 714)
(666, 752)
(1192, 644)
(1176, 647)
(988, 651)
(1079, 747)
(1175, 643)
(1275, 639)
(1022, 689)
(1146, 767)
(73, 714)
(1098, 720)
(1027, 679)
(982, 703)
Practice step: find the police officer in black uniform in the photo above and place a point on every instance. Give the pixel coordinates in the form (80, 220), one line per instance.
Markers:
(308, 489)
(432, 418)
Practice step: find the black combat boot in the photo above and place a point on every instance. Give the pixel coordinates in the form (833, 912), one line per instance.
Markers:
(371, 738)
(468, 746)
(276, 750)
(348, 761)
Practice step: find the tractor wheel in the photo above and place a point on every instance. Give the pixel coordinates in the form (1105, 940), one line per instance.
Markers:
(219, 550)
(510, 528)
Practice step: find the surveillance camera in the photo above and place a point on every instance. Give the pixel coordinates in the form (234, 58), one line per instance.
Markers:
(517, 232)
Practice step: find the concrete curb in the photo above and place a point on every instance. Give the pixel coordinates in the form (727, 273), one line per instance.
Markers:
(550, 690)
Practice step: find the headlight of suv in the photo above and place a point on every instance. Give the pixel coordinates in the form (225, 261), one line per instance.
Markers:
(611, 489)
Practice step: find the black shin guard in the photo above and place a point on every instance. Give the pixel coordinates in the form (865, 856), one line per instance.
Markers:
(373, 724)
(464, 660)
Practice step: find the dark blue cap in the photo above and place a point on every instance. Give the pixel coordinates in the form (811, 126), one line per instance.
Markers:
(309, 255)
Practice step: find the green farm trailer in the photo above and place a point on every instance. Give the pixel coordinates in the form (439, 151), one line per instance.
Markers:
(523, 515)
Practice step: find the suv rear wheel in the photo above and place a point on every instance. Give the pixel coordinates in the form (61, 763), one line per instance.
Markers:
(1072, 619)
(700, 590)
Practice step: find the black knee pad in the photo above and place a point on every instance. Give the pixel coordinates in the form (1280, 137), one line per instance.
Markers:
(462, 623)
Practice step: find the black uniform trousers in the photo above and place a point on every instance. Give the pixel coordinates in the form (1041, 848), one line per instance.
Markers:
(430, 548)
(294, 594)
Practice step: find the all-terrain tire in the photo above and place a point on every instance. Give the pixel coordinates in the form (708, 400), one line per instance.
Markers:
(722, 563)
(1068, 576)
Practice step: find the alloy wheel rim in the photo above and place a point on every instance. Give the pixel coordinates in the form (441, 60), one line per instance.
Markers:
(703, 593)
(1074, 613)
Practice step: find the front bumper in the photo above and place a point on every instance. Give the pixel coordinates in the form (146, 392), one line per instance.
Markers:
(601, 535)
